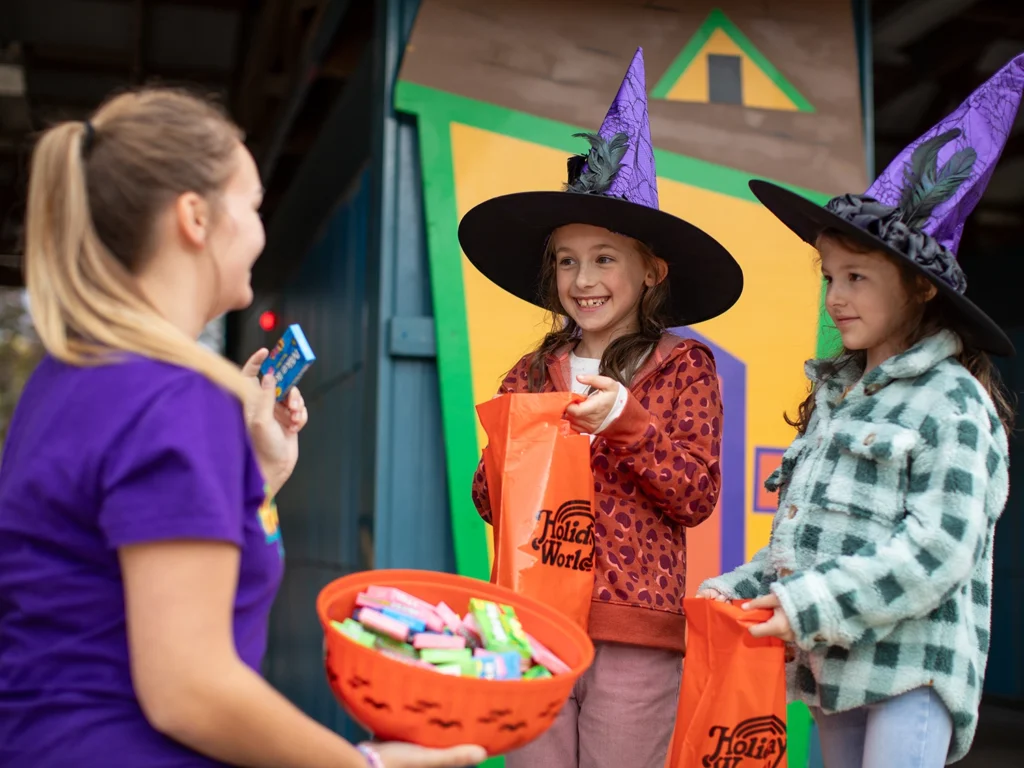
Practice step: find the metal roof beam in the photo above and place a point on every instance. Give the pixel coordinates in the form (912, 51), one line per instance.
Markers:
(318, 44)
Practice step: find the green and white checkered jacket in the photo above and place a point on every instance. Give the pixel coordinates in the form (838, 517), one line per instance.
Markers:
(881, 549)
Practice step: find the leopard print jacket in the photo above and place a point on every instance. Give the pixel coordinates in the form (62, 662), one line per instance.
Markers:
(656, 473)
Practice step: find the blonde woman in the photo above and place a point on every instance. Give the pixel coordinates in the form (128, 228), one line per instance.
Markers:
(139, 549)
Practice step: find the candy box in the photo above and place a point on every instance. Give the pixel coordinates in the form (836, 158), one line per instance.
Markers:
(289, 360)
(403, 627)
(402, 699)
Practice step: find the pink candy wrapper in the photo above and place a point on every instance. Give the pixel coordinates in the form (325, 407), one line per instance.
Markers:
(395, 596)
(385, 625)
(546, 658)
(449, 617)
(363, 600)
(431, 640)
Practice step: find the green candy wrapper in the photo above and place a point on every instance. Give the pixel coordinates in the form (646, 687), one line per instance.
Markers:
(454, 670)
(446, 655)
(492, 629)
(536, 673)
(390, 644)
(514, 629)
(353, 629)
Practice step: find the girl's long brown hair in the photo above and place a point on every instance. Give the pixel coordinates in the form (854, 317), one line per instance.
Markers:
(93, 201)
(936, 316)
(624, 356)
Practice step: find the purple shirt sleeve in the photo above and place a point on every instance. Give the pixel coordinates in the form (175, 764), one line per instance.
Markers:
(179, 469)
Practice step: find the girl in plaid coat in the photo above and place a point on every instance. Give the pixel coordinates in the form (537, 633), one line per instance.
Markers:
(879, 567)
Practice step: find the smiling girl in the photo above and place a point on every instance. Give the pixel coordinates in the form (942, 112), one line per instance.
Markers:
(615, 272)
(879, 567)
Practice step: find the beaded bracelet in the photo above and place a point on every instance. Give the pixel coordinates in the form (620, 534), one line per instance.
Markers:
(372, 758)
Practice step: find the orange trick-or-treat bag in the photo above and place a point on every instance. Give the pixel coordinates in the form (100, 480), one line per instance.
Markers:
(541, 489)
(732, 708)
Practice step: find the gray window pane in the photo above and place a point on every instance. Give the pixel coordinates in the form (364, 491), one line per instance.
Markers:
(724, 83)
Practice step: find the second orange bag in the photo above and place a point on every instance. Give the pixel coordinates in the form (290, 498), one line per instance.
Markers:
(732, 707)
(541, 489)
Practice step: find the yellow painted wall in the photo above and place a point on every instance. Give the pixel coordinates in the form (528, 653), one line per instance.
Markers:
(772, 337)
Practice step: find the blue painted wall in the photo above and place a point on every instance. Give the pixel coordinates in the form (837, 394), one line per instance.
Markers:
(404, 423)
(324, 518)
(370, 486)
(411, 493)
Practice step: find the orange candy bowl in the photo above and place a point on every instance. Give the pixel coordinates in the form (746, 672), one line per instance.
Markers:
(398, 702)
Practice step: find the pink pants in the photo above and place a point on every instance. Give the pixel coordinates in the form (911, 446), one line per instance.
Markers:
(621, 713)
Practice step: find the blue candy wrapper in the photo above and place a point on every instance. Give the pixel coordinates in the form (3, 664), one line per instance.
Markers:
(289, 360)
(410, 621)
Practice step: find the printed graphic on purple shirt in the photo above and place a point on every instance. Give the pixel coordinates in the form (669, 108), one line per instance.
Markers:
(270, 522)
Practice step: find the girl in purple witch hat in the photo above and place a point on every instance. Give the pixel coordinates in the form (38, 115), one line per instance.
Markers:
(615, 272)
(879, 568)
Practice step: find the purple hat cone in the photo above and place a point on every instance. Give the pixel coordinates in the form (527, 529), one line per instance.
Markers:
(985, 120)
(637, 179)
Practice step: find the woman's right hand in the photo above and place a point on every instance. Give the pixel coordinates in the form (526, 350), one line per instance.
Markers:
(712, 594)
(399, 755)
(274, 427)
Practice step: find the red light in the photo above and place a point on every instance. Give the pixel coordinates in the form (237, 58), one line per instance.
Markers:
(268, 320)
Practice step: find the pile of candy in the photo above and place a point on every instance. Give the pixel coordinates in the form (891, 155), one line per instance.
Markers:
(488, 642)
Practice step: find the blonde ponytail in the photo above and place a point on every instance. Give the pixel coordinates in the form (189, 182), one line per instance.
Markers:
(91, 211)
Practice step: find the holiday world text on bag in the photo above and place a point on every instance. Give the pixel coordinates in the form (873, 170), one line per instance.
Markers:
(541, 489)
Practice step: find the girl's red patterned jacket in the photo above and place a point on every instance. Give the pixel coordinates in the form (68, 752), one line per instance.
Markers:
(656, 473)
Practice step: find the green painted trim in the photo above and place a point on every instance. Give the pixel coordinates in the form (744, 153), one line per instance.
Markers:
(798, 735)
(455, 374)
(761, 61)
(718, 20)
(829, 342)
(685, 58)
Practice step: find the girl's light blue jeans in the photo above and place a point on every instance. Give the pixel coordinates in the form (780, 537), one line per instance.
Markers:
(907, 731)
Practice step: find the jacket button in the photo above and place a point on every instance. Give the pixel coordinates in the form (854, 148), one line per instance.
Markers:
(784, 572)
(792, 511)
(871, 389)
(869, 439)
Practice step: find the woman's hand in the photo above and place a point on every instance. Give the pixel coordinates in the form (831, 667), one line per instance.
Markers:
(712, 594)
(399, 755)
(777, 626)
(588, 416)
(273, 426)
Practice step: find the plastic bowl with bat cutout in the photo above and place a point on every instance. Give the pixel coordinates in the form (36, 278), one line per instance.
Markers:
(399, 702)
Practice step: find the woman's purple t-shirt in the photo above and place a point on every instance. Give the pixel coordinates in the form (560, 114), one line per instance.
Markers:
(98, 458)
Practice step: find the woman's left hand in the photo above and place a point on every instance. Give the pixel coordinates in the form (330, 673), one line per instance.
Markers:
(777, 626)
(588, 416)
(273, 426)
